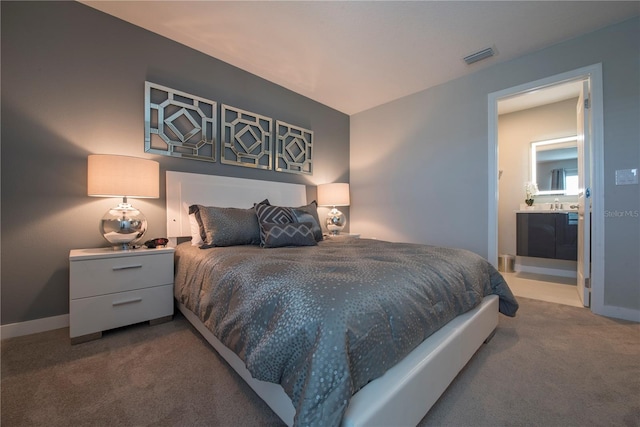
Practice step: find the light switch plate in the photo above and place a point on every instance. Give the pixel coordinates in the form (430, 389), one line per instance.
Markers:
(626, 176)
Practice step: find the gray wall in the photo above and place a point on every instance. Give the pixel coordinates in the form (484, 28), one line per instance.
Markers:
(419, 164)
(73, 85)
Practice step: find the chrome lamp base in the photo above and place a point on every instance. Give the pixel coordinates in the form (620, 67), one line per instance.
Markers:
(123, 225)
(335, 221)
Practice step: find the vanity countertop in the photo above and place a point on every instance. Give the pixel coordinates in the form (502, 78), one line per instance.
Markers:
(546, 211)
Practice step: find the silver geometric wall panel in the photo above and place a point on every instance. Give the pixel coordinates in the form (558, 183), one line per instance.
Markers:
(246, 138)
(179, 124)
(294, 146)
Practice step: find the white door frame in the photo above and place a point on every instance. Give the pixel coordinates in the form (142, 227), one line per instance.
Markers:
(594, 73)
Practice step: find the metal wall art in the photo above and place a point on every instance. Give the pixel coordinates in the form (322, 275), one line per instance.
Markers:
(179, 124)
(293, 152)
(246, 138)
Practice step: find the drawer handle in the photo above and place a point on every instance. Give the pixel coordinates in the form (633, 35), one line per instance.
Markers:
(127, 267)
(127, 301)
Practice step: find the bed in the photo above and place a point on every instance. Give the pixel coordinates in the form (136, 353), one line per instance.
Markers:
(307, 327)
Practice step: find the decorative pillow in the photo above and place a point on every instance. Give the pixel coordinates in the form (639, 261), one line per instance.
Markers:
(194, 226)
(195, 211)
(196, 238)
(268, 214)
(309, 213)
(290, 234)
(228, 226)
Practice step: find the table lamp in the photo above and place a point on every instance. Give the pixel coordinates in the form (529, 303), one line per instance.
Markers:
(334, 194)
(122, 176)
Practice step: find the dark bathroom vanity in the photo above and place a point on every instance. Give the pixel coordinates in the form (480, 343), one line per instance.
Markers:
(547, 235)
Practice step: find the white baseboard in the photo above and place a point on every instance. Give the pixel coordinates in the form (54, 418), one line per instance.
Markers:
(34, 326)
(619, 313)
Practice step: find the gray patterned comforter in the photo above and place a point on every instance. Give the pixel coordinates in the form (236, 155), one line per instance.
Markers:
(324, 320)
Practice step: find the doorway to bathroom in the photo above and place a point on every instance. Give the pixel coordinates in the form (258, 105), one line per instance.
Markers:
(542, 145)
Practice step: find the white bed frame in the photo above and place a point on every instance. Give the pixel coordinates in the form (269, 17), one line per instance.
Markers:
(406, 392)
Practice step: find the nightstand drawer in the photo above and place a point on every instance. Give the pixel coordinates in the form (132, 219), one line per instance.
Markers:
(96, 314)
(94, 277)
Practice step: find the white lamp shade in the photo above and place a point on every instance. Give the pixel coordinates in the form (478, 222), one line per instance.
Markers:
(334, 194)
(122, 176)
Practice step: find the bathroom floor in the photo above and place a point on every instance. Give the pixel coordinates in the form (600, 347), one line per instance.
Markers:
(561, 290)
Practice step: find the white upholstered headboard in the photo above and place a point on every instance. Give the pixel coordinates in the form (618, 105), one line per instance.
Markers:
(185, 189)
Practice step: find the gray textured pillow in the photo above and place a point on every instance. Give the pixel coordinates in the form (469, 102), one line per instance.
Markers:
(228, 226)
(290, 234)
(309, 213)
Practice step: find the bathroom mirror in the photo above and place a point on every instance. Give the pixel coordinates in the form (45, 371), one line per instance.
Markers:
(554, 166)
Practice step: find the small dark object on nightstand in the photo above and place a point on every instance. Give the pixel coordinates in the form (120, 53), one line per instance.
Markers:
(156, 243)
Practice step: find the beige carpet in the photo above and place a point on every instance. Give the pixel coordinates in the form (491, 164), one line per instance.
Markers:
(553, 365)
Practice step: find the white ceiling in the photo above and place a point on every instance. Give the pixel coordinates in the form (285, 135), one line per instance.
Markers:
(355, 55)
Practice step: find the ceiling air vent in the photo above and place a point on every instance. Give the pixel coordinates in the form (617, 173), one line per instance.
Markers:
(480, 55)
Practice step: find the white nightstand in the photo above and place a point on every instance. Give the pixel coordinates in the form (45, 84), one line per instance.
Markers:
(109, 289)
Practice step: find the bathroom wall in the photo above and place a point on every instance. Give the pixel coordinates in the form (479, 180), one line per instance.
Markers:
(516, 131)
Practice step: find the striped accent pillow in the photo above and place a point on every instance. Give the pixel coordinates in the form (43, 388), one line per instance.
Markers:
(291, 234)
